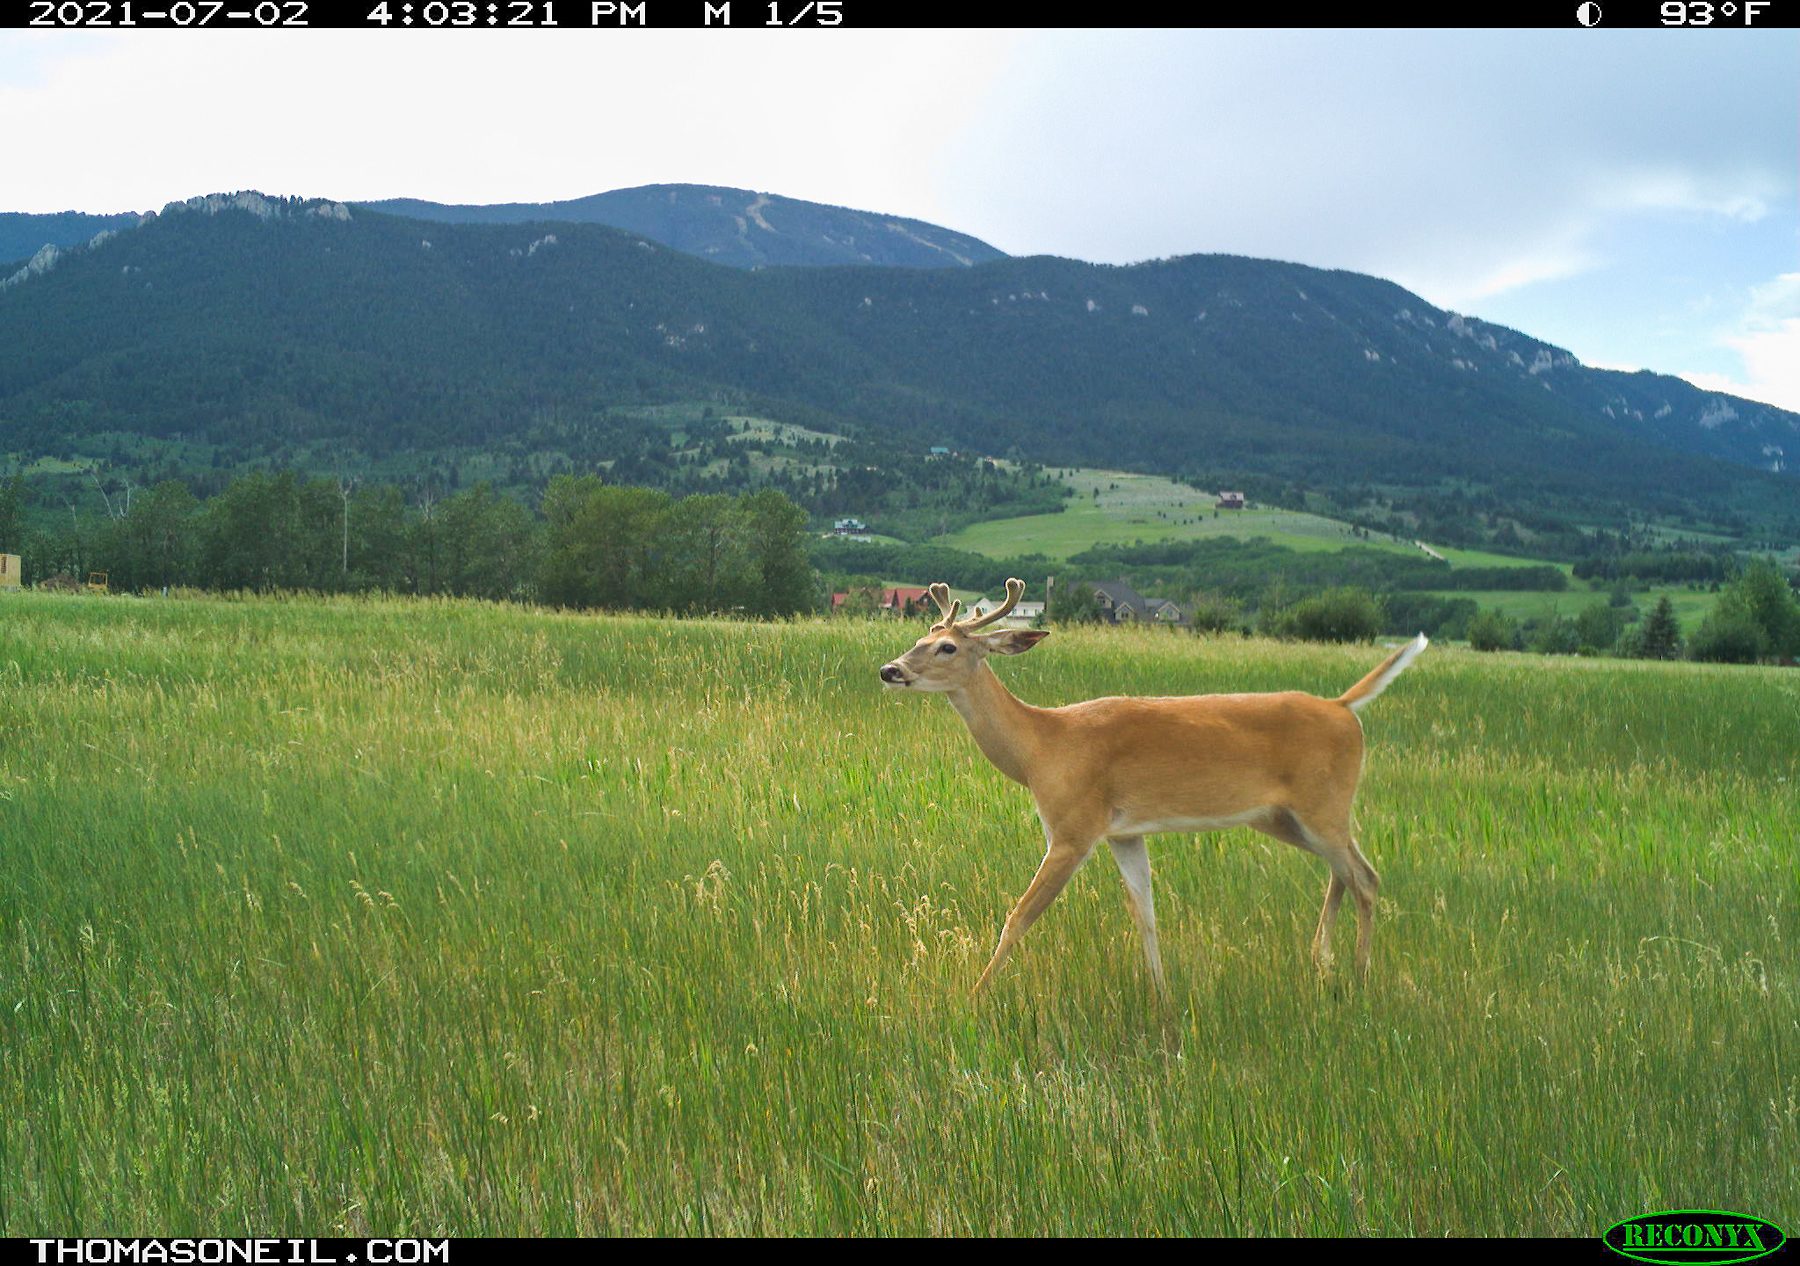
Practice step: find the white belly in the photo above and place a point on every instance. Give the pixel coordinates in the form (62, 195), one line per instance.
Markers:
(1124, 823)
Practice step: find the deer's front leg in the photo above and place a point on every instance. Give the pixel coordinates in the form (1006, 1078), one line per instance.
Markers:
(1063, 858)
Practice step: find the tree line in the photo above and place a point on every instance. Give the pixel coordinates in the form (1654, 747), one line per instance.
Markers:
(593, 545)
(1756, 620)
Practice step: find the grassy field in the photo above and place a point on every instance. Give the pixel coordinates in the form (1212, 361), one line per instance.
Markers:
(372, 917)
(1691, 605)
(1133, 507)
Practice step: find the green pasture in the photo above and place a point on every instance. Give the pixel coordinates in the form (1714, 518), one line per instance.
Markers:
(1691, 605)
(1132, 507)
(1083, 524)
(383, 917)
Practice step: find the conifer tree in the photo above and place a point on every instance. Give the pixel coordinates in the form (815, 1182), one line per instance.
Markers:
(1661, 637)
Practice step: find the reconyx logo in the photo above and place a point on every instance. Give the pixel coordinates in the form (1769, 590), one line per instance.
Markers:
(1684, 1236)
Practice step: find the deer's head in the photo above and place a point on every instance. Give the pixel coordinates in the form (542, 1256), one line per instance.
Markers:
(946, 658)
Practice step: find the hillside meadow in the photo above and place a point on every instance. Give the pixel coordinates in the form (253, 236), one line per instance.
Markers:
(1121, 508)
(1112, 507)
(381, 917)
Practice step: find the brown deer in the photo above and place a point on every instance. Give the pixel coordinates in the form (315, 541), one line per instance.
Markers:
(1118, 769)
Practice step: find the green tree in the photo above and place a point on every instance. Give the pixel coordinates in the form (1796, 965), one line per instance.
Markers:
(862, 595)
(1755, 618)
(1659, 637)
(1214, 612)
(1078, 603)
(706, 562)
(1768, 600)
(378, 539)
(14, 494)
(600, 544)
(1597, 627)
(156, 538)
(247, 532)
(487, 543)
(1553, 635)
(775, 535)
(1340, 614)
(1491, 630)
(1729, 634)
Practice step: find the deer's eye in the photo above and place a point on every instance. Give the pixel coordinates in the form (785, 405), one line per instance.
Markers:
(946, 648)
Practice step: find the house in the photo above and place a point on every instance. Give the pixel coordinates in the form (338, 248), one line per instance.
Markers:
(1022, 616)
(1229, 501)
(1122, 604)
(849, 527)
(902, 601)
(905, 601)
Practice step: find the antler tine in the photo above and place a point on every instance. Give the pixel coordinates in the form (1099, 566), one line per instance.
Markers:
(940, 594)
(1015, 589)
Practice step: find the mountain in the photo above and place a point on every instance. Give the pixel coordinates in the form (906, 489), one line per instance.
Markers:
(23, 236)
(733, 226)
(263, 325)
(738, 227)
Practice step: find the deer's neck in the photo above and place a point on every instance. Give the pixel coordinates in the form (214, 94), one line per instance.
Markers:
(1004, 728)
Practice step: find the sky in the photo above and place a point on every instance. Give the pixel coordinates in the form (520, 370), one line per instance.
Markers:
(1632, 196)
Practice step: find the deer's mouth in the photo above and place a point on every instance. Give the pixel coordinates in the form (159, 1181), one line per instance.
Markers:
(894, 675)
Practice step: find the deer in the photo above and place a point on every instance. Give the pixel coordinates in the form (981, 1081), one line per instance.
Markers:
(1121, 768)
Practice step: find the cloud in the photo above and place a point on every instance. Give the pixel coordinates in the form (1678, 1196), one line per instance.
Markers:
(133, 120)
(1767, 340)
(1459, 163)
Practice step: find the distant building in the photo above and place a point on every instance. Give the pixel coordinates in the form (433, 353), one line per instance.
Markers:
(1230, 501)
(1123, 604)
(1022, 616)
(849, 527)
(9, 571)
(900, 601)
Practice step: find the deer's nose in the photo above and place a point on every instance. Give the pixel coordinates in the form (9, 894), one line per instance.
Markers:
(893, 675)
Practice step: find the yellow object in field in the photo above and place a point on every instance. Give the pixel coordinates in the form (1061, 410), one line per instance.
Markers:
(9, 571)
(96, 582)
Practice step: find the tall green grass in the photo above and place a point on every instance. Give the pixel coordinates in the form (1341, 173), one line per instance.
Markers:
(373, 917)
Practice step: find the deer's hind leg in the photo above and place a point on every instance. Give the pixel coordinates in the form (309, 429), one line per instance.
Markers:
(1134, 867)
(1332, 843)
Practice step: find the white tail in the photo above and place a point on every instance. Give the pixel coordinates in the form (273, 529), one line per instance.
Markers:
(1363, 692)
(1118, 769)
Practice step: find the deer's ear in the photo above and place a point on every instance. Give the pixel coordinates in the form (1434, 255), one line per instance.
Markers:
(1015, 641)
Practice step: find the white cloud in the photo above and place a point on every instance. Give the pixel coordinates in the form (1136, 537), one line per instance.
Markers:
(131, 121)
(1461, 164)
(1767, 340)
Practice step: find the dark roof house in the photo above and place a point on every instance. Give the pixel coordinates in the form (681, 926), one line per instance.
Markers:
(1122, 603)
